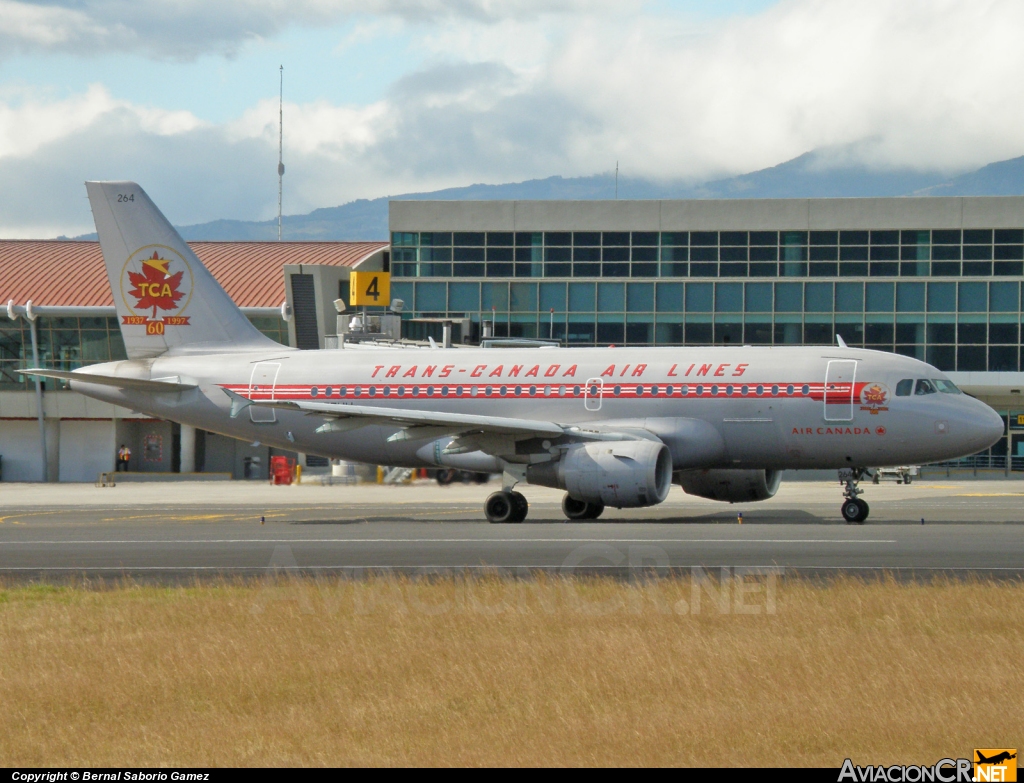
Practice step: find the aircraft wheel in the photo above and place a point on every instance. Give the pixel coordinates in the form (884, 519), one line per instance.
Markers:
(500, 507)
(445, 476)
(521, 506)
(863, 508)
(851, 511)
(580, 509)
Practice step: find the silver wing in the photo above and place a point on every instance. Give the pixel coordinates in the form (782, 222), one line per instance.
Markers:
(492, 434)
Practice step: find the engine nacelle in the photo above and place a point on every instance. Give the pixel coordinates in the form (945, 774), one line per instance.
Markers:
(622, 474)
(731, 486)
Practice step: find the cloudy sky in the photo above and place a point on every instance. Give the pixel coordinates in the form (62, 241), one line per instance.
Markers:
(392, 96)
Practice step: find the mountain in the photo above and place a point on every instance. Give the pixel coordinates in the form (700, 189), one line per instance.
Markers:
(1005, 178)
(368, 219)
(365, 219)
(816, 174)
(820, 174)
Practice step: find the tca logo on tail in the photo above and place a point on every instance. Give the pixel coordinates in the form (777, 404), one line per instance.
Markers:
(156, 286)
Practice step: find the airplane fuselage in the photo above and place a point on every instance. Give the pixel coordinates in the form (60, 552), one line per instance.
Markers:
(715, 407)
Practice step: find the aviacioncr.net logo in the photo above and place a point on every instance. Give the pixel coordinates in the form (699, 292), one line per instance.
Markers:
(942, 771)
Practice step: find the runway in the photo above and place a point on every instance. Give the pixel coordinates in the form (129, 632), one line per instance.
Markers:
(426, 529)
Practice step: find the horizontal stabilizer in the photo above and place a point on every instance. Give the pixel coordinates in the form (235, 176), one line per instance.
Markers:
(135, 384)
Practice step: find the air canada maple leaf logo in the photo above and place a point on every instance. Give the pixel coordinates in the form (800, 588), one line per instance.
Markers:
(156, 288)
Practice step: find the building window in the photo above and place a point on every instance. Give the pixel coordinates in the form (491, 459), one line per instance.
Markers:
(854, 294)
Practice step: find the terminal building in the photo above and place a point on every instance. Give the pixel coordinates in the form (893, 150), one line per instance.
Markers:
(934, 278)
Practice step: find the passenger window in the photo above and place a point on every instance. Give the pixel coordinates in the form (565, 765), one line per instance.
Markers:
(904, 387)
(946, 387)
(924, 386)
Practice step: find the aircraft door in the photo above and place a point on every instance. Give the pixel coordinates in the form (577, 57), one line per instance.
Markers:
(839, 385)
(592, 394)
(262, 386)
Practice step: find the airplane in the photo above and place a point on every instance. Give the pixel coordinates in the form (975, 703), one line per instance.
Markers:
(610, 426)
(999, 758)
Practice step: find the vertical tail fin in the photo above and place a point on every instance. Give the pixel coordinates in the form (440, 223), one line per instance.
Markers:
(166, 299)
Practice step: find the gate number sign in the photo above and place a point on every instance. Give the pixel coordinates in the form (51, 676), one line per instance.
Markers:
(370, 288)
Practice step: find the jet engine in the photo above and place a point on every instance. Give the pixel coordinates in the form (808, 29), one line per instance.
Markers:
(732, 486)
(623, 474)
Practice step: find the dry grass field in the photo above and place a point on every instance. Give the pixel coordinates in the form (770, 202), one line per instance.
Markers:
(492, 671)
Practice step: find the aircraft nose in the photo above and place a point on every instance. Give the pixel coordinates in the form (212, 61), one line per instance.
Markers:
(985, 424)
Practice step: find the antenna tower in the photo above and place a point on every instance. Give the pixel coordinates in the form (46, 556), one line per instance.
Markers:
(280, 152)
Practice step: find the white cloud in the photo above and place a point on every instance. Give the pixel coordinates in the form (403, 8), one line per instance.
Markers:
(337, 132)
(32, 124)
(185, 29)
(48, 27)
(919, 83)
(934, 82)
(929, 84)
(194, 175)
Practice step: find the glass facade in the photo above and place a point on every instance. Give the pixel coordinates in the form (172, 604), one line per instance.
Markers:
(948, 296)
(69, 343)
(709, 254)
(964, 325)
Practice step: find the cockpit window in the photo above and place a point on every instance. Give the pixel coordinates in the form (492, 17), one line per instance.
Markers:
(946, 387)
(905, 387)
(924, 386)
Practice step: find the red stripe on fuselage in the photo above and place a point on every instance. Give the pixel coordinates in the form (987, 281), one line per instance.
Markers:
(837, 393)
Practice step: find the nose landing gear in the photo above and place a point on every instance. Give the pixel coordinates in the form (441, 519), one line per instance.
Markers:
(854, 510)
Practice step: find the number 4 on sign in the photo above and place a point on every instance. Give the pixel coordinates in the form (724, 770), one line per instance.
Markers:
(369, 288)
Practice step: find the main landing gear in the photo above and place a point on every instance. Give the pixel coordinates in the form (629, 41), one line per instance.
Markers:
(506, 506)
(509, 506)
(854, 510)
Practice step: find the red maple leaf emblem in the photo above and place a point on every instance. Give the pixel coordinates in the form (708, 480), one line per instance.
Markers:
(155, 287)
(874, 395)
